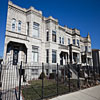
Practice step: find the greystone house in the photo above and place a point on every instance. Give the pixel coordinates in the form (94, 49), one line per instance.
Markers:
(34, 39)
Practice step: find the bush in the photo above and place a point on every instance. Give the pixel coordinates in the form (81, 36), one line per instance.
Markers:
(52, 75)
(42, 75)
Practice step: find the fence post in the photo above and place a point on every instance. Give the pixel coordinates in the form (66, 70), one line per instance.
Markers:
(69, 76)
(78, 84)
(20, 72)
(42, 80)
(64, 73)
(57, 79)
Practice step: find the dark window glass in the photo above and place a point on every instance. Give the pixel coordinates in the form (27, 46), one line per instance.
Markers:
(53, 71)
(60, 40)
(86, 48)
(78, 42)
(74, 41)
(47, 36)
(53, 56)
(8, 49)
(47, 56)
(54, 36)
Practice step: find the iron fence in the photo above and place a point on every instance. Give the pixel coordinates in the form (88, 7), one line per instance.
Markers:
(36, 82)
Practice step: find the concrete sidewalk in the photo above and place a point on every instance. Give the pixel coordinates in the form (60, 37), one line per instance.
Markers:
(92, 93)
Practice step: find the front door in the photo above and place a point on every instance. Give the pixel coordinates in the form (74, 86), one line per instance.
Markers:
(61, 59)
(15, 56)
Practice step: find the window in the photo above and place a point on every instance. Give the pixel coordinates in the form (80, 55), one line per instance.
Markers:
(54, 36)
(74, 41)
(68, 41)
(89, 49)
(47, 56)
(35, 30)
(27, 28)
(53, 56)
(47, 71)
(78, 42)
(63, 40)
(34, 71)
(60, 40)
(34, 54)
(54, 71)
(47, 36)
(86, 48)
(19, 26)
(13, 24)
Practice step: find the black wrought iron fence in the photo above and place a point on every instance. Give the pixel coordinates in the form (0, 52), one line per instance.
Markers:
(40, 81)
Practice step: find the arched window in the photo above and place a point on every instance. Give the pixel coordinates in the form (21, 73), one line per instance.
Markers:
(13, 24)
(19, 26)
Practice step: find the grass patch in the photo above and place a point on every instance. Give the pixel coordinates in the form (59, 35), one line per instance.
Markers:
(34, 90)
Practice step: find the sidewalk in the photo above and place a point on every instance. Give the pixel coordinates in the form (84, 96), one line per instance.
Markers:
(92, 93)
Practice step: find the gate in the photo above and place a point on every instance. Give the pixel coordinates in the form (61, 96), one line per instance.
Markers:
(10, 81)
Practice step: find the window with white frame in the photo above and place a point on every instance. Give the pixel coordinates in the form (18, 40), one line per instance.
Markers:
(74, 41)
(47, 55)
(60, 40)
(35, 29)
(54, 36)
(77, 42)
(63, 40)
(53, 56)
(13, 24)
(89, 49)
(34, 71)
(27, 28)
(47, 37)
(19, 26)
(86, 49)
(34, 54)
(68, 41)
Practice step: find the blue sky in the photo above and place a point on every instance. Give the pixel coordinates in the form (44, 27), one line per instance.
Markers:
(81, 14)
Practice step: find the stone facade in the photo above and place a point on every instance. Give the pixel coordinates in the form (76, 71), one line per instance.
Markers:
(35, 39)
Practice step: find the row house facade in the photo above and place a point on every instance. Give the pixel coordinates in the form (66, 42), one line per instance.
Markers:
(32, 38)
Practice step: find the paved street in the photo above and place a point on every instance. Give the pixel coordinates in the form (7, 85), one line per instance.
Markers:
(86, 94)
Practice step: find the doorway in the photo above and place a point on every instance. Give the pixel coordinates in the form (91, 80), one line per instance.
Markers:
(15, 56)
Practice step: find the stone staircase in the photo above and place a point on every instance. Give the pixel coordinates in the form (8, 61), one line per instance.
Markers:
(74, 72)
